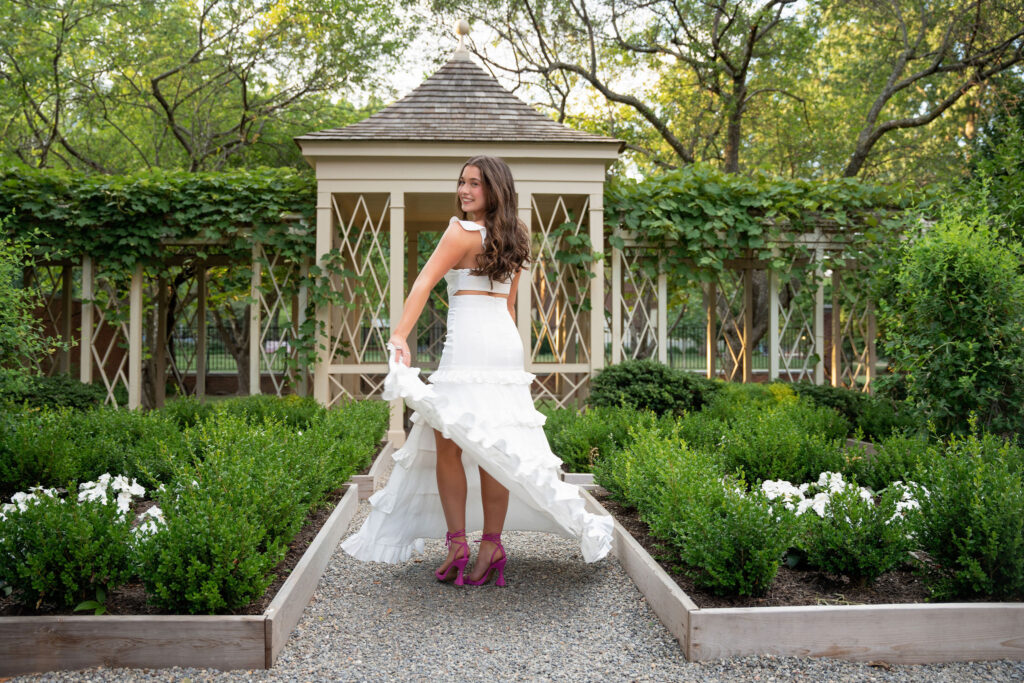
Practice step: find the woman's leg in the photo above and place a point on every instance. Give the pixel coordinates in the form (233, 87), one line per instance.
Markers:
(451, 485)
(495, 502)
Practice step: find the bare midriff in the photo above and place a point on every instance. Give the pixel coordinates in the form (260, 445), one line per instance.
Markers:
(472, 291)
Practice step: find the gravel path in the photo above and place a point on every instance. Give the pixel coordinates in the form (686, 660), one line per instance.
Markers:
(558, 619)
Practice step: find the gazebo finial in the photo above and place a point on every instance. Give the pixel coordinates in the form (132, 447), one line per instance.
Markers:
(461, 30)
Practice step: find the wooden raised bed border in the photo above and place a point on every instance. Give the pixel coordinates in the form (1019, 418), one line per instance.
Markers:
(898, 634)
(59, 643)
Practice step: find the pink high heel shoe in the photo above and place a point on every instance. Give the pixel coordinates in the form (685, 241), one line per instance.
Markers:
(493, 564)
(459, 563)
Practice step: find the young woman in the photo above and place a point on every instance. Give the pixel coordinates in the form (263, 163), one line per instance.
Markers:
(476, 456)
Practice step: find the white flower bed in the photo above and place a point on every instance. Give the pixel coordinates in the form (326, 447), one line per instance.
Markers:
(796, 498)
(106, 490)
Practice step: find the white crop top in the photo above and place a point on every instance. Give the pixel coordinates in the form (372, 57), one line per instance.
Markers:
(459, 279)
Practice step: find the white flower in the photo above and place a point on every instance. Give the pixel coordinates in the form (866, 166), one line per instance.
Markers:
(132, 488)
(781, 489)
(150, 521)
(818, 504)
(833, 481)
(94, 490)
(124, 502)
(866, 494)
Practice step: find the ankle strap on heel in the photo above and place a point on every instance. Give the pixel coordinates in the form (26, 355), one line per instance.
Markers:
(493, 538)
(450, 536)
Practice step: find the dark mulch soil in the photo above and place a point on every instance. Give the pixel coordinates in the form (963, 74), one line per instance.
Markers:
(790, 587)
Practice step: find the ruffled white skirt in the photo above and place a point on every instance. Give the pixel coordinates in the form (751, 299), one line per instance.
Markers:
(480, 398)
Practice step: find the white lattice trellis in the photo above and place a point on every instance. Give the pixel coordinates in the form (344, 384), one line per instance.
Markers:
(372, 384)
(110, 355)
(852, 334)
(560, 291)
(360, 329)
(730, 286)
(639, 306)
(794, 344)
(560, 302)
(277, 281)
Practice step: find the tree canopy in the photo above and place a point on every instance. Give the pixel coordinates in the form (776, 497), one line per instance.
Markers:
(889, 89)
(111, 86)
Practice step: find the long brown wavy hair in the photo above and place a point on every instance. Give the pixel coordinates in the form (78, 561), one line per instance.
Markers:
(507, 245)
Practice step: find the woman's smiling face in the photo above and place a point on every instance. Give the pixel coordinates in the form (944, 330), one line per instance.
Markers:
(472, 193)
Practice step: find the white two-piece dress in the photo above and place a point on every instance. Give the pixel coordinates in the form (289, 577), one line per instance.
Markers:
(479, 397)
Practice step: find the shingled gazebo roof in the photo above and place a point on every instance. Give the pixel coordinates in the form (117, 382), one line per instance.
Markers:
(460, 102)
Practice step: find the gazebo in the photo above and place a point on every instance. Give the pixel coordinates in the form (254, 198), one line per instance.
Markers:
(384, 184)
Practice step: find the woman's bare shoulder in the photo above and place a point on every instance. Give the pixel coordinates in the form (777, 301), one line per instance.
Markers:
(465, 225)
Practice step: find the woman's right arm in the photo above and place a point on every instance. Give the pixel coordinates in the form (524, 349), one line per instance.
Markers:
(454, 245)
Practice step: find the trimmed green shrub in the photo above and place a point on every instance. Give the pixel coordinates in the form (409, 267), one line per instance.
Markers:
(726, 540)
(228, 516)
(876, 416)
(243, 493)
(187, 411)
(857, 537)
(702, 430)
(972, 519)
(952, 315)
(649, 385)
(52, 446)
(59, 551)
(734, 399)
(631, 474)
(731, 542)
(37, 391)
(897, 458)
(594, 433)
(794, 441)
(295, 411)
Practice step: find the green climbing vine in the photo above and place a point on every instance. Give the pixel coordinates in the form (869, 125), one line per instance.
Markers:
(698, 217)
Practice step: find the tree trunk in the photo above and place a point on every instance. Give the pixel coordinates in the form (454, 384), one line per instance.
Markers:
(234, 332)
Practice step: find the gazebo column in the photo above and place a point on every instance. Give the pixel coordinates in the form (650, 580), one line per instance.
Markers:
(396, 426)
(597, 283)
(837, 330)
(819, 322)
(748, 323)
(160, 346)
(85, 341)
(135, 340)
(662, 311)
(616, 306)
(711, 345)
(773, 325)
(255, 333)
(324, 228)
(872, 351)
(201, 332)
(412, 251)
(523, 302)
